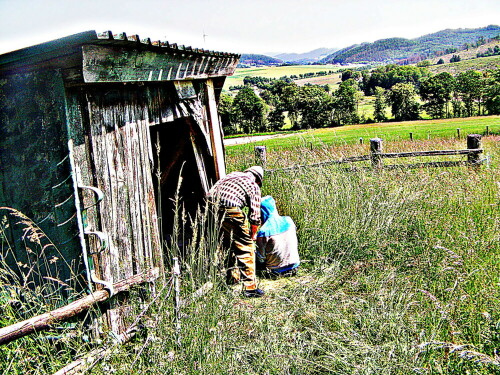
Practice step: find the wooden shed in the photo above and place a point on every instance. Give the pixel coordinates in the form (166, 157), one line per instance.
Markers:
(95, 130)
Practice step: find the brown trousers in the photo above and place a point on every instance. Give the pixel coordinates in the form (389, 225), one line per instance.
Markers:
(240, 261)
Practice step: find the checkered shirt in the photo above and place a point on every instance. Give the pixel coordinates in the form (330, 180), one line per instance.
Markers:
(238, 189)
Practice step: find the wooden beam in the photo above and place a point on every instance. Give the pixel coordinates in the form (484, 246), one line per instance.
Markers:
(45, 321)
(215, 131)
(102, 63)
(428, 153)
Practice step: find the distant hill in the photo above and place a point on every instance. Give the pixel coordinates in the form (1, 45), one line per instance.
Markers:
(257, 60)
(400, 50)
(307, 57)
(469, 59)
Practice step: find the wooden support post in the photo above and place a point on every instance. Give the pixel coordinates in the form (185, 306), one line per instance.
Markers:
(360, 140)
(487, 130)
(411, 136)
(375, 151)
(473, 143)
(45, 321)
(458, 132)
(215, 131)
(260, 156)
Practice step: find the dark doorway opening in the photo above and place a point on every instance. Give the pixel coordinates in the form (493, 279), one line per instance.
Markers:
(181, 171)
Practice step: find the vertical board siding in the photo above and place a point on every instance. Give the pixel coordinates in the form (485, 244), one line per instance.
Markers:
(36, 181)
(116, 159)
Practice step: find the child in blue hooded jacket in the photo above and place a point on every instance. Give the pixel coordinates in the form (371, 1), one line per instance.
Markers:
(277, 245)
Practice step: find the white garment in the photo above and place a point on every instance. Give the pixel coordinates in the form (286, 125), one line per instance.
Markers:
(279, 250)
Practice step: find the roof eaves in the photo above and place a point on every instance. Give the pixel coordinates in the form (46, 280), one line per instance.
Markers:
(67, 45)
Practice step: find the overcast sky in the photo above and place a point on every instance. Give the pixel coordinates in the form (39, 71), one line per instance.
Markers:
(252, 26)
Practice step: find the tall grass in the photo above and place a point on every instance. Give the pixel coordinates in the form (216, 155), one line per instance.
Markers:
(400, 275)
(30, 285)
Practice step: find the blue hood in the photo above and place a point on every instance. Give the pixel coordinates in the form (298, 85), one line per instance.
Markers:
(273, 223)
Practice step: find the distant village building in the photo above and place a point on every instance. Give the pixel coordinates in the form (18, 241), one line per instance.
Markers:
(95, 131)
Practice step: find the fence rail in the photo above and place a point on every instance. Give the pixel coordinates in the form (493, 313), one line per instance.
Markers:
(377, 155)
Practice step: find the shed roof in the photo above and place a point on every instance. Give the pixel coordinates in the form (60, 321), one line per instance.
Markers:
(66, 52)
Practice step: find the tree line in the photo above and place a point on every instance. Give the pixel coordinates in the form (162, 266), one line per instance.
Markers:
(264, 82)
(407, 91)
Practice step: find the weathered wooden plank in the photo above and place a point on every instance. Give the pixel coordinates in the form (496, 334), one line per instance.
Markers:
(428, 153)
(153, 250)
(118, 64)
(216, 131)
(123, 164)
(125, 136)
(112, 219)
(202, 171)
(45, 321)
(99, 167)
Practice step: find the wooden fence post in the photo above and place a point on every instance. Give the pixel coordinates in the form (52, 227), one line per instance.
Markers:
(487, 130)
(260, 156)
(473, 143)
(360, 141)
(375, 151)
(411, 136)
(458, 132)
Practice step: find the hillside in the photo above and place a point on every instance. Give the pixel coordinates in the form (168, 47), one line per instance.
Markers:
(247, 60)
(469, 59)
(307, 57)
(480, 64)
(400, 50)
(468, 53)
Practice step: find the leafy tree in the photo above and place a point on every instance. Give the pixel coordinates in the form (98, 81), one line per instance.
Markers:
(345, 104)
(249, 111)
(270, 98)
(288, 94)
(314, 105)
(469, 88)
(389, 75)
(404, 106)
(457, 107)
(282, 96)
(436, 92)
(380, 105)
(225, 108)
(492, 93)
(275, 119)
(440, 61)
(350, 74)
(423, 63)
(455, 58)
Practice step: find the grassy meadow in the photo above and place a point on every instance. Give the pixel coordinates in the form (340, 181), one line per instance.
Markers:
(389, 131)
(399, 275)
(481, 64)
(280, 71)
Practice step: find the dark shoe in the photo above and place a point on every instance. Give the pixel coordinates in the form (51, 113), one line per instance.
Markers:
(290, 273)
(255, 293)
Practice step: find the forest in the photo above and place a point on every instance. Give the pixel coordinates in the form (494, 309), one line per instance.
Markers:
(400, 93)
(412, 50)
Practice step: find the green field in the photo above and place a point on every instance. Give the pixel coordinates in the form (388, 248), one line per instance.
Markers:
(280, 71)
(389, 131)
